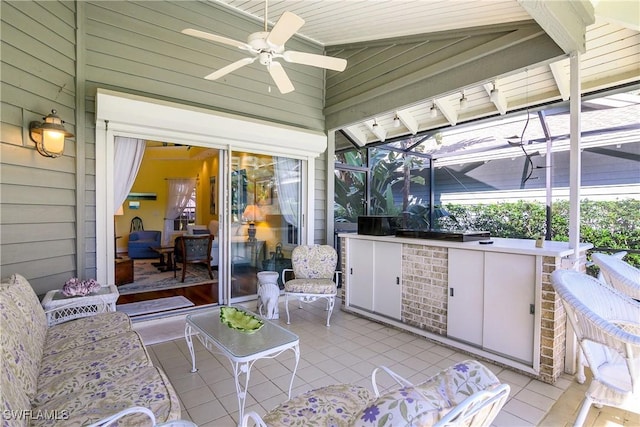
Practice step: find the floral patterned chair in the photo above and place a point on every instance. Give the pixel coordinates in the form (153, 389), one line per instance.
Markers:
(314, 269)
(467, 393)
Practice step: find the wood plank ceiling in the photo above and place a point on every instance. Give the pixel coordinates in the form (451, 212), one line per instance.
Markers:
(611, 57)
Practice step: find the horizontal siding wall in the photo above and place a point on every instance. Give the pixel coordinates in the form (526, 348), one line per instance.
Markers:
(37, 194)
(137, 47)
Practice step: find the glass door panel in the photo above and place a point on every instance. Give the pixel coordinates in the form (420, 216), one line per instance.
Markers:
(265, 217)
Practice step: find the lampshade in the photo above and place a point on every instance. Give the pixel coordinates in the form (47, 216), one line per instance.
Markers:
(49, 135)
(253, 213)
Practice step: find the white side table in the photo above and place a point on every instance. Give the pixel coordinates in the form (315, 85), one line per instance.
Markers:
(60, 308)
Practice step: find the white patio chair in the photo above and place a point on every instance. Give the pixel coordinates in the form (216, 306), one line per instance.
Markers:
(106, 422)
(619, 274)
(465, 394)
(314, 268)
(607, 325)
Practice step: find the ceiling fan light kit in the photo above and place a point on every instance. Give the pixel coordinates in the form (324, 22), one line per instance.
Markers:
(266, 46)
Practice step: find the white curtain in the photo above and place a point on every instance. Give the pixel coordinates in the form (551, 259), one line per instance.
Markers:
(179, 194)
(126, 163)
(287, 173)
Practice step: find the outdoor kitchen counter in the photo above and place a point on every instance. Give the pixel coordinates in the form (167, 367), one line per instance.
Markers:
(492, 300)
(513, 246)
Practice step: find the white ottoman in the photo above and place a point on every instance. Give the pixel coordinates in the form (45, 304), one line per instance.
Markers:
(268, 294)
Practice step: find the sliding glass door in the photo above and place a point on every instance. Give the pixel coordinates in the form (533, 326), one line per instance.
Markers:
(264, 217)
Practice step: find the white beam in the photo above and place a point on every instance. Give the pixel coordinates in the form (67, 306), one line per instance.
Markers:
(565, 21)
(561, 77)
(408, 121)
(356, 135)
(447, 111)
(574, 159)
(377, 130)
(500, 102)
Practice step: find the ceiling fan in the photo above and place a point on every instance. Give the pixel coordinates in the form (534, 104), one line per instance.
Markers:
(267, 46)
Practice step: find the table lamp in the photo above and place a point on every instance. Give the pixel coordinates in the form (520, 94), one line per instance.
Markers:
(252, 214)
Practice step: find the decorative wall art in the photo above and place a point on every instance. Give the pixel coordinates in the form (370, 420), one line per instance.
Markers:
(264, 192)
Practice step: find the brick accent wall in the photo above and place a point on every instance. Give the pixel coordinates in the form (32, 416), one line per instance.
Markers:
(553, 325)
(424, 287)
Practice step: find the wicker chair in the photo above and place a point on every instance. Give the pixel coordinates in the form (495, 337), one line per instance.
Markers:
(619, 274)
(314, 269)
(465, 394)
(607, 325)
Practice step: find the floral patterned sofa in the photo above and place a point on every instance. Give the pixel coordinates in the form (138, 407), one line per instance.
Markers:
(74, 373)
(467, 393)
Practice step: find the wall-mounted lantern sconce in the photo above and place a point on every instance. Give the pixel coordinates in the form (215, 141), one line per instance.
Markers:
(49, 135)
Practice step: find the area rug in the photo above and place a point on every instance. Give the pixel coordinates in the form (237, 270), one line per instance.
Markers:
(154, 305)
(148, 278)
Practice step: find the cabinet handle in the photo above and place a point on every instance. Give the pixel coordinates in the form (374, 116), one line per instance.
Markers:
(397, 280)
(532, 309)
(350, 270)
(450, 291)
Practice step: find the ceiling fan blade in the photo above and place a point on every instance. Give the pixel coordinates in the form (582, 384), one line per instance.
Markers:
(286, 27)
(329, 62)
(216, 38)
(280, 77)
(230, 68)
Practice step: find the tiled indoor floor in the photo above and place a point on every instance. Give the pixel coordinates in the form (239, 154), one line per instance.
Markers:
(347, 352)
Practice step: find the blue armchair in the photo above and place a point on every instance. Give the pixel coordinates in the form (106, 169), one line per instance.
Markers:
(141, 242)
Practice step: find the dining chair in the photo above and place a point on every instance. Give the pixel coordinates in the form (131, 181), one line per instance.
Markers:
(315, 276)
(193, 250)
(607, 326)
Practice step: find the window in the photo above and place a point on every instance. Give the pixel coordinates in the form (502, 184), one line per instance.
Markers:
(188, 215)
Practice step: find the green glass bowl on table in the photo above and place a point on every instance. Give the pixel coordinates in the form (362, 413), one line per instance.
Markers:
(240, 320)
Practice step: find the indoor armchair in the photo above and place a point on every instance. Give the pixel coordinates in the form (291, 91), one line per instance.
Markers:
(141, 243)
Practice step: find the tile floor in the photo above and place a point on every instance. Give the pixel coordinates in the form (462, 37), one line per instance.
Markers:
(347, 352)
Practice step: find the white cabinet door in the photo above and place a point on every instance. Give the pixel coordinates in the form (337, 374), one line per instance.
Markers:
(387, 282)
(465, 301)
(509, 295)
(360, 273)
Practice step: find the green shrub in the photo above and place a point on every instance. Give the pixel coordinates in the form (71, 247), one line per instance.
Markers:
(605, 224)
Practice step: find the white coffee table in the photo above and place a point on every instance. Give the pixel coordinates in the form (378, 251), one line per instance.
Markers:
(60, 308)
(242, 349)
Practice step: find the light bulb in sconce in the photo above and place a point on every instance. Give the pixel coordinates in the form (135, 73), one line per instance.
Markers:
(433, 111)
(49, 135)
(463, 102)
(396, 121)
(494, 94)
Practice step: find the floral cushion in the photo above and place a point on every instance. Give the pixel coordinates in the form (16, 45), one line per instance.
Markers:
(13, 397)
(147, 387)
(79, 332)
(404, 407)
(20, 350)
(20, 290)
(426, 403)
(315, 262)
(69, 371)
(334, 405)
(462, 380)
(313, 286)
